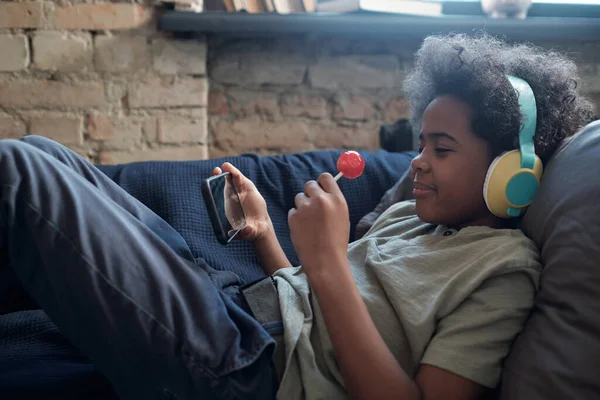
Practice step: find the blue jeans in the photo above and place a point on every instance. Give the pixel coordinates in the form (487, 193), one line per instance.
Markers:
(121, 284)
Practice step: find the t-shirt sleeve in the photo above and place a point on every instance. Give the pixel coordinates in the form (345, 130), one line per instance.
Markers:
(474, 339)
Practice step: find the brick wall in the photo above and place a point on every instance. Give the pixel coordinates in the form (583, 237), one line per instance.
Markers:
(303, 93)
(98, 78)
(311, 92)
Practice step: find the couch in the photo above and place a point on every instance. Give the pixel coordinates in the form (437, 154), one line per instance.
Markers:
(557, 356)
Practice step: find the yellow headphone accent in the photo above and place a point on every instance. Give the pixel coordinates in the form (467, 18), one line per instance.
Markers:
(514, 177)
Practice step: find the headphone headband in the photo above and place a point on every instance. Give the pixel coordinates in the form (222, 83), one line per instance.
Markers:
(528, 108)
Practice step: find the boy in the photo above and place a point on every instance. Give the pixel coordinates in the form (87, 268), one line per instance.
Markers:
(425, 305)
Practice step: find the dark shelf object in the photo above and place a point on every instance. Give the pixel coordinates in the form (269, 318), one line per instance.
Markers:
(380, 25)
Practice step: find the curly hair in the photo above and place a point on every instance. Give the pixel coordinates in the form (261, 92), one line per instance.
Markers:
(474, 69)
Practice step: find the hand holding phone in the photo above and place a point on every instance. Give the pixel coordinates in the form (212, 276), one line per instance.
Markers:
(251, 204)
(224, 206)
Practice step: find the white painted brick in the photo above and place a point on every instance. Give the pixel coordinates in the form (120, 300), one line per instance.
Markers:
(259, 68)
(14, 53)
(179, 56)
(62, 51)
(366, 72)
(121, 53)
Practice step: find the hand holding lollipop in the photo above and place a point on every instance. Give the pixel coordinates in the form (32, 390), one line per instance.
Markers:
(350, 164)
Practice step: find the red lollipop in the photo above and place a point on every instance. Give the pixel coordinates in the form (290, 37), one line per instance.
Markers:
(350, 164)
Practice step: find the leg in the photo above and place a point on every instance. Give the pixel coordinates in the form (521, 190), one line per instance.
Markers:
(133, 206)
(149, 319)
(12, 296)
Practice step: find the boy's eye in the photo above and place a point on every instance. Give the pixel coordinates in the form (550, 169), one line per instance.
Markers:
(438, 150)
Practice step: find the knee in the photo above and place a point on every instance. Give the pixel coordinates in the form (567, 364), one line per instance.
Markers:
(40, 142)
(14, 147)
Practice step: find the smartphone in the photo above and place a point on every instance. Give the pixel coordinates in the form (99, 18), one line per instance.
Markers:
(224, 206)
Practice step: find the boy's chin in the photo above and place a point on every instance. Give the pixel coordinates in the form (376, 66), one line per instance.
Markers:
(427, 215)
(430, 214)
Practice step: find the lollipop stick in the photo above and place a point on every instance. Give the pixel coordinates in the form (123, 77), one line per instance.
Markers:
(338, 176)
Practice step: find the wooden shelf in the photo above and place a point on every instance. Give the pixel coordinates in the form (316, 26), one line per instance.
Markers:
(379, 25)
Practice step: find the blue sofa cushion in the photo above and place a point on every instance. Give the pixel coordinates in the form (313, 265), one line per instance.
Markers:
(172, 190)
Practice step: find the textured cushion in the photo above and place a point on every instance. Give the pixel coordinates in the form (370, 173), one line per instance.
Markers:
(172, 190)
(557, 356)
(38, 362)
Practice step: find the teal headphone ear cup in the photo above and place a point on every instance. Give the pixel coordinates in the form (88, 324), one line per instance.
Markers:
(521, 188)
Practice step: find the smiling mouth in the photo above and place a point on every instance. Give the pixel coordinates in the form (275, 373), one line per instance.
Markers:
(419, 185)
(420, 189)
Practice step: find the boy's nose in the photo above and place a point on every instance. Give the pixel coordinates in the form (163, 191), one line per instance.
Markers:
(420, 163)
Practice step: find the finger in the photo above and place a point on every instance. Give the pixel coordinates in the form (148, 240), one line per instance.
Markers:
(217, 171)
(300, 199)
(243, 234)
(237, 175)
(312, 189)
(328, 184)
(291, 216)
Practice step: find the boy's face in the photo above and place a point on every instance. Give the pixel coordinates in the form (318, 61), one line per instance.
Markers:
(450, 170)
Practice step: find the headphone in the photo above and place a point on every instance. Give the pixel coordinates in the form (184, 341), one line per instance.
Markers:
(513, 178)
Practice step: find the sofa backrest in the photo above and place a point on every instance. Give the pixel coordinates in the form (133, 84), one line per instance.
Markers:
(557, 356)
(172, 190)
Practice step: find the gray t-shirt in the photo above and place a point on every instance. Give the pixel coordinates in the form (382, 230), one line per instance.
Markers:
(452, 299)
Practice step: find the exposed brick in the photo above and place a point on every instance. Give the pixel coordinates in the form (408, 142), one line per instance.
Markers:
(354, 107)
(217, 102)
(199, 152)
(28, 14)
(63, 128)
(101, 16)
(247, 103)
(100, 127)
(294, 105)
(404, 49)
(14, 50)
(11, 127)
(121, 53)
(395, 109)
(157, 93)
(30, 94)
(150, 129)
(116, 132)
(62, 51)
(258, 68)
(371, 72)
(179, 56)
(250, 134)
(216, 152)
(181, 130)
(335, 137)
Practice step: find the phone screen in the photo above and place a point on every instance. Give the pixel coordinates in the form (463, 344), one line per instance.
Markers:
(227, 203)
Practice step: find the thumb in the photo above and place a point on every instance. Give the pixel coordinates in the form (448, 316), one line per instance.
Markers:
(237, 175)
